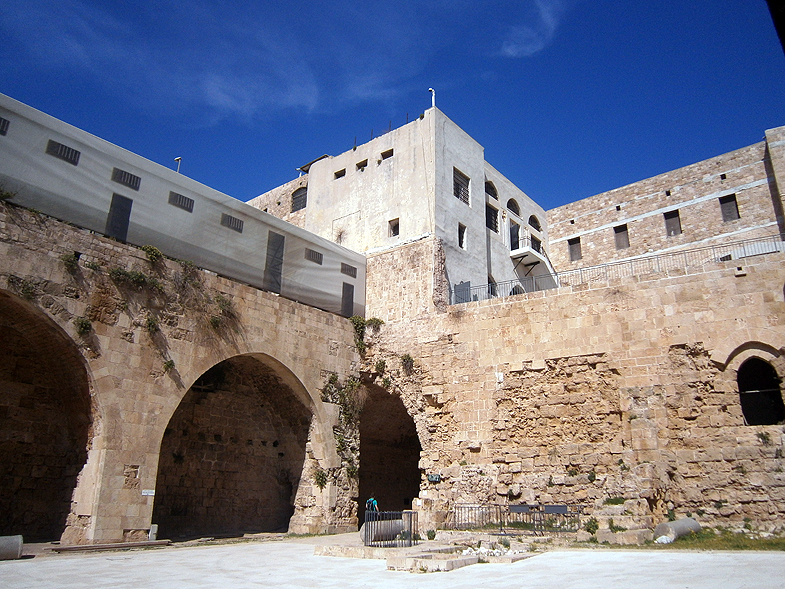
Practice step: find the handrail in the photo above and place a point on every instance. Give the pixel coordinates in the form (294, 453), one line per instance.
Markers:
(654, 264)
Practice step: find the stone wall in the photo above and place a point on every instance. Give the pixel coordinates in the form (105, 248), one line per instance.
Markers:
(617, 389)
(694, 191)
(278, 201)
(141, 333)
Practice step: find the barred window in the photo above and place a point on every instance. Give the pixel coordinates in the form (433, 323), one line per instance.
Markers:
(63, 152)
(460, 185)
(232, 222)
(182, 202)
(348, 270)
(126, 178)
(314, 256)
(491, 218)
(299, 199)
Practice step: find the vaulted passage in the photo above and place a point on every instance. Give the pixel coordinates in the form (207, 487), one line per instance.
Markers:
(232, 455)
(761, 396)
(389, 453)
(44, 422)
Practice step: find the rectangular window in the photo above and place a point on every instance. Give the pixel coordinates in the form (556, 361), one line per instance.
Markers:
(491, 218)
(119, 217)
(299, 199)
(232, 222)
(347, 300)
(63, 152)
(126, 179)
(314, 256)
(575, 249)
(460, 185)
(536, 245)
(348, 270)
(672, 223)
(340, 173)
(621, 236)
(387, 154)
(394, 227)
(182, 202)
(729, 208)
(362, 165)
(461, 236)
(4, 126)
(273, 269)
(515, 231)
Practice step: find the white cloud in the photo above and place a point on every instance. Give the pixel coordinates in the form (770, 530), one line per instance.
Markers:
(524, 40)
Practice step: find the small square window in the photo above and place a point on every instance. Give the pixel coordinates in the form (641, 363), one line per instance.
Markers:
(387, 154)
(621, 236)
(575, 249)
(394, 228)
(232, 222)
(729, 208)
(672, 223)
(340, 173)
(362, 165)
(461, 236)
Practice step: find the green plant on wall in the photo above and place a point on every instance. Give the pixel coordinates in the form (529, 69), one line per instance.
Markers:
(153, 253)
(407, 363)
(70, 261)
(151, 324)
(320, 478)
(360, 324)
(168, 365)
(83, 325)
(6, 194)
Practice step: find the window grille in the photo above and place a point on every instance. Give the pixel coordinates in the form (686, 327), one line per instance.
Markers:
(63, 152)
(491, 218)
(348, 270)
(729, 208)
(232, 222)
(575, 249)
(299, 199)
(126, 179)
(4, 126)
(181, 202)
(314, 256)
(460, 185)
(672, 223)
(622, 237)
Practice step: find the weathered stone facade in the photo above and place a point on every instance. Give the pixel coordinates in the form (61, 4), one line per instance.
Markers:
(103, 350)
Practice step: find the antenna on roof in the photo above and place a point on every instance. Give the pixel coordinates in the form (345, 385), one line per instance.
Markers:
(178, 159)
(433, 96)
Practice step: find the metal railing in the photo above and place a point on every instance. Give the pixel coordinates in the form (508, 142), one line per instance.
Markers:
(684, 261)
(390, 529)
(516, 519)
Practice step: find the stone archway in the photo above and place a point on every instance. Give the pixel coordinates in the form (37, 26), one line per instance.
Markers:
(45, 421)
(760, 393)
(389, 453)
(233, 453)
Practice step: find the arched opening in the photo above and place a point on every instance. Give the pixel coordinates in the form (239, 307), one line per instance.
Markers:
(233, 453)
(490, 190)
(389, 453)
(512, 206)
(45, 422)
(534, 223)
(759, 392)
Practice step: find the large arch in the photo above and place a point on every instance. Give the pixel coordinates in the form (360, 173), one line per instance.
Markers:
(232, 454)
(760, 392)
(389, 453)
(45, 421)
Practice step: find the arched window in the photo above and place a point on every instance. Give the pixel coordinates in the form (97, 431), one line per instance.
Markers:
(299, 199)
(759, 392)
(490, 190)
(512, 206)
(534, 222)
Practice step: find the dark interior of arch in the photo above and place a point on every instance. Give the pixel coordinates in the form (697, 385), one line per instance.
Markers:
(389, 453)
(232, 454)
(44, 422)
(760, 393)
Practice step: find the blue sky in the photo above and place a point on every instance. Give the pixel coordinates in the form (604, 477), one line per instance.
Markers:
(568, 97)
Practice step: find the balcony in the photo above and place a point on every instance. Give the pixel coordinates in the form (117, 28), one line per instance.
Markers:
(528, 251)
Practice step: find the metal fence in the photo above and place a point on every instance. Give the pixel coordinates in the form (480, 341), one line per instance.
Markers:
(516, 519)
(390, 529)
(681, 262)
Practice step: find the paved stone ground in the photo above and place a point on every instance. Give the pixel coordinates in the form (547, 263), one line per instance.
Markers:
(292, 564)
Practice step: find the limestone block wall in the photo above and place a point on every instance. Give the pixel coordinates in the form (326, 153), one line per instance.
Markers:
(694, 191)
(143, 333)
(620, 389)
(278, 201)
